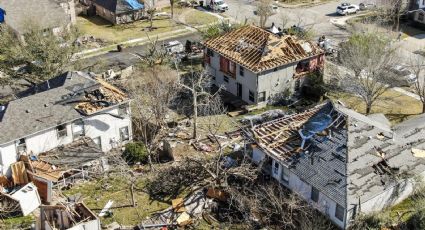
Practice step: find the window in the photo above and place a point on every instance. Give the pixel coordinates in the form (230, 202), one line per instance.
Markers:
(241, 69)
(284, 176)
(224, 65)
(225, 78)
(261, 96)
(98, 142)
(123, 110)
(124, 135)
(61, 130)
(314, 194)
(210, 53)
(77, 128)
(251, 96)
(21, 146)
(276, 168)
(339, 212)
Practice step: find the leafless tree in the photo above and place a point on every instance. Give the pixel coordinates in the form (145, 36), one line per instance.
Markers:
(264, 10)
(367, 57)
(150, 10)
(172, 8)
(417, 67)
(391, 11)
(152, 90)
(198, 84)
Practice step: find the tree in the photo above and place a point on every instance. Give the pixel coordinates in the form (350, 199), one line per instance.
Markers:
(417, 67)
(152, 89)
(367, 57)
(391, 11)
(150, 11)
(40, 56)
(264, 10)
(172, 8)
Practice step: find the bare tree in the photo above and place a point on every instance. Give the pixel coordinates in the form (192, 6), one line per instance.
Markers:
(391, 11)
(417, 67)
(198, 84)
(264, 10)
(367, 57)
(172, 8)
(152, 90)
(150, 10)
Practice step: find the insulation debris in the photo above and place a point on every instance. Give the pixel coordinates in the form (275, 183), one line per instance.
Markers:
(418, 153)
(68, 216)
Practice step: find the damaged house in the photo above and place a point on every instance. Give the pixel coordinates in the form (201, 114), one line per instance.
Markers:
(119, 11)
(61, 111)
(257, 65)
(341, 162)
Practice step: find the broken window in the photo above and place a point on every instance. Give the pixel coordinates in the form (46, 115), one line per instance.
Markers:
(61, 130)
(124, 134)
(123, 110)
(314, 194)
(77, 128)
(226, 78)
(241, 71)
(21, 146)
(261, 96)
(251, 96)
(339, 212)
(276, 168)
(284, 176)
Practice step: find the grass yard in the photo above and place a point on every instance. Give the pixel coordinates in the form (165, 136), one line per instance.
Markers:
(397, 107)
(23, 222)
(97, 193)
(192, 17)
(100, 28)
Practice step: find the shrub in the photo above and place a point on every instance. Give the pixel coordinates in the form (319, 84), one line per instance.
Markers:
(135, 152)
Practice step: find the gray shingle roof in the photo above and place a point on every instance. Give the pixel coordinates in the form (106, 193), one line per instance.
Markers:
(22, 13)
(343, 165)
(116, 6)
(32, 113)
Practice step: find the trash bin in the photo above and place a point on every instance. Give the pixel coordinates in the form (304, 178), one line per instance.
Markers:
(201, 4)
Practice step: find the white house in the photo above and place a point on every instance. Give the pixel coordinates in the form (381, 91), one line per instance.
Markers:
(257, 65)
(59, 111)
(341, 162)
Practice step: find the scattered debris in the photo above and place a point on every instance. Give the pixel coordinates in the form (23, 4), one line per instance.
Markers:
(27, 197)
(106, 208)
(418, 153)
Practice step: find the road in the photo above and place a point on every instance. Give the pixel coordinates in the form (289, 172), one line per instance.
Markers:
(127, 57)
(316, 17)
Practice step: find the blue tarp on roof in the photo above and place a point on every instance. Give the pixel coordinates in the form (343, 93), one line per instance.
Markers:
(136, 5)
(2, 13)
(317, 123)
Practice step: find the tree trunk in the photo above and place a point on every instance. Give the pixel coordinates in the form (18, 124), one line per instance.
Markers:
(368, 108)
(423, 107)
(195, 115)
(172, 8)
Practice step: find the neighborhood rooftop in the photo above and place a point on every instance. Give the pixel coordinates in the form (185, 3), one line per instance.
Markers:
(259, 50)
(120, 6)
(20, 14)
(347, 156)
(60, 100)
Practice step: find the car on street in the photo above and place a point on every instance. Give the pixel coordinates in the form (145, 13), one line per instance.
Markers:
(346, 8)
(366, 6)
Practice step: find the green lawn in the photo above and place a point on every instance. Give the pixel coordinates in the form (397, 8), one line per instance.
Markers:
(97, 193)
(397, 107)
(192, 17)
(102, 29)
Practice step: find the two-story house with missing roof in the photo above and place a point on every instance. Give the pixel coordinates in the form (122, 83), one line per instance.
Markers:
(257, 65)
(343, 163)
(59, 111)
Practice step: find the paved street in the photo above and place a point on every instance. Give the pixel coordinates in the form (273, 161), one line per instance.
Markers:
(315, 17)
(126, 57)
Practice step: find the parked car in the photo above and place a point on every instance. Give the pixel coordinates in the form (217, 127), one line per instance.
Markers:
(273, 10)
(404, 76)
(345, 9)
(174, 47)
(366, 6)
(217, 5)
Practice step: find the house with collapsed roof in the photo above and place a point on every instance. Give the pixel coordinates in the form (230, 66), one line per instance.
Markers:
(257, 65)
(119, 11)
(54, 15)
(341, 162)
(60, 111)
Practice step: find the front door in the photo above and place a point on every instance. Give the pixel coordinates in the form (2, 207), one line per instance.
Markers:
(239, 93)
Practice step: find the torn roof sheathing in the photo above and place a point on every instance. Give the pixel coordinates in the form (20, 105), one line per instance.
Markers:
(259, 50)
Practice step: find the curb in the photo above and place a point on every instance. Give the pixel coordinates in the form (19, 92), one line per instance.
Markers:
(307, 5)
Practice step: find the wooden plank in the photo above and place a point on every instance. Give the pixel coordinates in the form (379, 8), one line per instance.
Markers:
(19, 173)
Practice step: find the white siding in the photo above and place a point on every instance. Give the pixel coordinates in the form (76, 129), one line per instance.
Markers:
(277, 81)
(103, 125)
